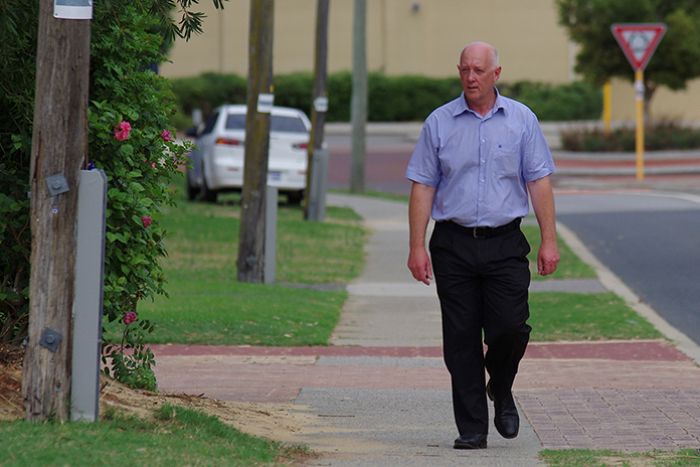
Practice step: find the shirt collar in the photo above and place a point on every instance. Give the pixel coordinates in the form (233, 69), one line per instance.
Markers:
(462, 107)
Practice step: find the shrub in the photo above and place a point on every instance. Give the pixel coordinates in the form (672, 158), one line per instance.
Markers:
(208, 91)
(390, 98)
(572, 101)
(129, 122)
(663, 134)
(17, 42)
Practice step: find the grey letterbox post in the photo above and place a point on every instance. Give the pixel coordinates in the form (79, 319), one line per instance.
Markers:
(319, 176)
(87, 307)
(270, 267)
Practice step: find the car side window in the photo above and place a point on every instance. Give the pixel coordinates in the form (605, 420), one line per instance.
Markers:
(211, 122)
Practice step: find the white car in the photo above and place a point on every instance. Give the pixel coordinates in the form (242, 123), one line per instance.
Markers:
(216, 163)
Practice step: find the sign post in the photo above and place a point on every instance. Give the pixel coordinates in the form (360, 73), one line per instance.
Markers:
(639, 41)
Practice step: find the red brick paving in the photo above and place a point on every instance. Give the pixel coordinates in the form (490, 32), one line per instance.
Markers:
(623, 350)
(635, 395)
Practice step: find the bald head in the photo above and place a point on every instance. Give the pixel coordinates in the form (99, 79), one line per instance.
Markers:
(478, 71)
(483, 49)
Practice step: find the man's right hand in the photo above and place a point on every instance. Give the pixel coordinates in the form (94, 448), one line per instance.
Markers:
(419, 264)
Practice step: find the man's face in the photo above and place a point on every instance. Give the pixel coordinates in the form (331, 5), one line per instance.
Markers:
(478, 74)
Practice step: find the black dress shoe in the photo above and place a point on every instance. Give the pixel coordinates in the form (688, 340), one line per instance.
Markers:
(477, 441)
(506, 417)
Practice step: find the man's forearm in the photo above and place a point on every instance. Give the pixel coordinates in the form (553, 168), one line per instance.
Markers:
(543, 204)
(419, 207)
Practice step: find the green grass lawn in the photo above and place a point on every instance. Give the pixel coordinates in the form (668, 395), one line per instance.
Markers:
(556, 316)
(595, 458)
(570, 266)
(207, 305)
(175, 436)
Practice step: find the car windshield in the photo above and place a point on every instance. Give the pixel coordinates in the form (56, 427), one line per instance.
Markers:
(278, 123)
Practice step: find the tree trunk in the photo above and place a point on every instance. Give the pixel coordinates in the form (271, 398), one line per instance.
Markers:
(359, 96)
(59, 146)
(251, 248)
(318, 113)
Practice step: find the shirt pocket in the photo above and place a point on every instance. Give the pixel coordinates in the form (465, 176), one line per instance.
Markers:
(507, 160)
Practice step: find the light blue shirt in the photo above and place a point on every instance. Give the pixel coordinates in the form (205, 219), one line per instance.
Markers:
(480, 166)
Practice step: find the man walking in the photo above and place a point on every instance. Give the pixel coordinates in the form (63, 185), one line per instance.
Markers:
(475, 161)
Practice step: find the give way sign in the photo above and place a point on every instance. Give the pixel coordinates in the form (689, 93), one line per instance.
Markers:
(638, 41)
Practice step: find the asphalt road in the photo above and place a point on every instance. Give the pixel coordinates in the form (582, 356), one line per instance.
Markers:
(385, 163)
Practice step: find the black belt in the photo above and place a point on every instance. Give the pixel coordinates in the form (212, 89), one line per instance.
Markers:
(483, 232)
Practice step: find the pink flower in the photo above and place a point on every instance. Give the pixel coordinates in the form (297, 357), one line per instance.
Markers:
(166, 135)
(129, 317)
(153, 165)
(121, 132)
(146, 221)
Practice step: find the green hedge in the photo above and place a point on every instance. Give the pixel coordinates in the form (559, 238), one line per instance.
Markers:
(391, 98)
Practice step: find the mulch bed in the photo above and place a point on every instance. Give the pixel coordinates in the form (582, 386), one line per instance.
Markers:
(11, 405)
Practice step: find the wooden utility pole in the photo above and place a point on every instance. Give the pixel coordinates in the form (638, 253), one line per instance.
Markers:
(59, 149)
(251, 248)
(319, 104)
(359, 96)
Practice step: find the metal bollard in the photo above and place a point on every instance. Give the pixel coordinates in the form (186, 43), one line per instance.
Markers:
(87, 307)
(270, 235)
(319, 180)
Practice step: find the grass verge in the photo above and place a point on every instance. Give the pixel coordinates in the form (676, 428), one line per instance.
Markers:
(590, 458)
(207, 305)
(175, 436)
(570, 266)
(557, 316)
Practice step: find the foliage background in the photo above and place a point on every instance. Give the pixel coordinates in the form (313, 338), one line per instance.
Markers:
(127, 42)
(391, 98)
(676, 60)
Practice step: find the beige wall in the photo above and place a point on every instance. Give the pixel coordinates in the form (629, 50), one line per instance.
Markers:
(411, 37)
(683, 105)
(400, 39)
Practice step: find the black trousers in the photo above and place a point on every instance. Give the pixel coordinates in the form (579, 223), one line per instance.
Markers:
(483, 285)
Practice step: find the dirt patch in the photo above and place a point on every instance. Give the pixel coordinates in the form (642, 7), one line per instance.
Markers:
(279, 422)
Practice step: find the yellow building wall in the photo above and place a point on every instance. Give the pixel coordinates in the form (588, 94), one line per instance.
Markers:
(403, 37)
(666, 104)
(422, 37)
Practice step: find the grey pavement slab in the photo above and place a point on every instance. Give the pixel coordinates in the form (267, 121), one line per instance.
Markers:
(389, 321)
(387, 307)
(402, 427)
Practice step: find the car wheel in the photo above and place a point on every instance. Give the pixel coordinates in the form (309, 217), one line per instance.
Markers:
(295, 197)
(208, 195)
(192, 191)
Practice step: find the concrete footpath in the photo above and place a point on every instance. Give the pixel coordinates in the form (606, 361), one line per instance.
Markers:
(380, 394)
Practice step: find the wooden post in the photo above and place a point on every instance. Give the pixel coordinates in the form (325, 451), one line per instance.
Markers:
(359, 97)
(251, 248)
(59, 149)
(319, 104)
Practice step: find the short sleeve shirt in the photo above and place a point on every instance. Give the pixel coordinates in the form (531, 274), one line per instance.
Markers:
(480, 165)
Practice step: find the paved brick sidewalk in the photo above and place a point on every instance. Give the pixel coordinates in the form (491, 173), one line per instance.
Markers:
(619, 395)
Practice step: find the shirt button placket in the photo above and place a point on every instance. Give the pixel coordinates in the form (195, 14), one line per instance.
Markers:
(482, 172)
